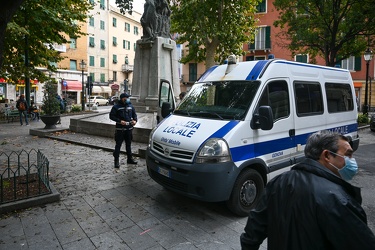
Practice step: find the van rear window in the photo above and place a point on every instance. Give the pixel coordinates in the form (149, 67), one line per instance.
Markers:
(339, 97)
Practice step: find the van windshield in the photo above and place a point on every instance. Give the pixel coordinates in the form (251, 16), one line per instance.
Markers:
(224, 100)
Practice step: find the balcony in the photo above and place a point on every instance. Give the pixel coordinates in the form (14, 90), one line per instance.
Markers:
(127, 68)
(59, 47)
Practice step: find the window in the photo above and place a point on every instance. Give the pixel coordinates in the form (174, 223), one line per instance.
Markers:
(73, 43)
(91, 61)
(114, 22)
(193, 69)
(102, 4)
(127, 27)
(136, 30)
(126, 44)
(114, 59)
(114, 76)
(91, 21)
(92, 42)
(102, 44)
(92, 1)
(339, 97)
(262, 6)
(276, 95)
(134, 46)
(262, 39)
(352, 63)
(114, 41)
(92, 77)
(102, 77)
(308, 96)
(102, 62)
(102, 25)
(301, 58)
(73, 64)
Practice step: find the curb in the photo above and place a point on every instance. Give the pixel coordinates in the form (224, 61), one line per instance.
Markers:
(31, 202)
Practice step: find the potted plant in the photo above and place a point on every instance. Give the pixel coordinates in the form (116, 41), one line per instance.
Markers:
(51, 106)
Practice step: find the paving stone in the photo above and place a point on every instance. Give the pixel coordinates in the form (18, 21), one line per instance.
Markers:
(120, 222)
(136, 238)
(109, 240)
(82, 244)
(94, 225)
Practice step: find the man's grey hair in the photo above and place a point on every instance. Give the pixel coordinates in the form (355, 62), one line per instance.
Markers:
(320, 141)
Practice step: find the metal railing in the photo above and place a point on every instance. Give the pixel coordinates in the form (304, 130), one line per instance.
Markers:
(23, 175)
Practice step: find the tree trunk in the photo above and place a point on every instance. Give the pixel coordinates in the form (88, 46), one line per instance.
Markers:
(210, 53)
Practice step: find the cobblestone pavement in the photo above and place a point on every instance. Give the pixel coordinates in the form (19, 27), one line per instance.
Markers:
(104, 208)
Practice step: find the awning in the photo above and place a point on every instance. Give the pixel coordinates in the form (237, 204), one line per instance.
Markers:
(101, 89)
(71, 85)
(115, 87)
(357, 84)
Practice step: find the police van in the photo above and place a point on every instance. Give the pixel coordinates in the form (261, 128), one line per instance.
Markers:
(241, 124)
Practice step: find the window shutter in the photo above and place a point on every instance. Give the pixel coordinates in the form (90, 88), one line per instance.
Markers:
(357, 63)
(268, 37)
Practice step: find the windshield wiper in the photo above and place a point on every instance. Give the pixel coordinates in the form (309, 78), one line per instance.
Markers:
(209, 113)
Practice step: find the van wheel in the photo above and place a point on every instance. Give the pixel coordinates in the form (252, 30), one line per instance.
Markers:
(246, 192)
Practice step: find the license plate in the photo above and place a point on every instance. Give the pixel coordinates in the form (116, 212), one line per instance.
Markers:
(164, 172)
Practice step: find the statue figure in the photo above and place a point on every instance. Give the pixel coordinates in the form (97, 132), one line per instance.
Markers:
(156, 19)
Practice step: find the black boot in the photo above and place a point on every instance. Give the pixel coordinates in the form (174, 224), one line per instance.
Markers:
(131, 161)
(117, 163)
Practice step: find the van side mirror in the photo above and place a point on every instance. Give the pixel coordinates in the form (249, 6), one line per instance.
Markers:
(165, 109)
(263, 119)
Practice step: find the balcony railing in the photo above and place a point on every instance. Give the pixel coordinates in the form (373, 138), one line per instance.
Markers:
(127, 68)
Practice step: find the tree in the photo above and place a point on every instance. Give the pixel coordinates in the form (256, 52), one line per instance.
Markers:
(125, 6)
(8, 8)
(213, 29)
(32, 32)
(332, 29)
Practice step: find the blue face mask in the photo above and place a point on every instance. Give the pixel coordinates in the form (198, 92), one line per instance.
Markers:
(349, 170)
(127, 101)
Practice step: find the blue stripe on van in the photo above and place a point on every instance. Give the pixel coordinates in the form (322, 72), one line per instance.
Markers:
(224, 130)
(205, 74)
(247, 152)
(254, 73)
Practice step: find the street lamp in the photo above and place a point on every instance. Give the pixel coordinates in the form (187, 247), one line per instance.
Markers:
(368, 57)
(82, 64)
(126, 81)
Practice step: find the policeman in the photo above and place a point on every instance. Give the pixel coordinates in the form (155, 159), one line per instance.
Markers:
(123, 113)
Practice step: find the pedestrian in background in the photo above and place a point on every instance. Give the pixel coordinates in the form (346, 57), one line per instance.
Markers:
(22, 107)
(312, 206)
(123, 113)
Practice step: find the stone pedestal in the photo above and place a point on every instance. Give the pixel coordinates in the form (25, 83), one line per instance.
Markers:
(154, 60)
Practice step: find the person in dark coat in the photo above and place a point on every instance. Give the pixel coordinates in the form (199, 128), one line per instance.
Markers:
(312, 206)
(123, 113)
(22, 107)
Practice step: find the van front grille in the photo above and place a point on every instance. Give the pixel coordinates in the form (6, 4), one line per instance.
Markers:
(182, 155)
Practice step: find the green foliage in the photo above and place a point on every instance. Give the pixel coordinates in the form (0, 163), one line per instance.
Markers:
(331, 29)
(363, 118)
(125, 6)
(51, 105)
(34, 28)
(75, 108)
(213, 29)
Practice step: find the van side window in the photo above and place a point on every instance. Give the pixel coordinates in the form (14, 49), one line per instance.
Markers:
(339, 97)
(308, 96)
(276, 96)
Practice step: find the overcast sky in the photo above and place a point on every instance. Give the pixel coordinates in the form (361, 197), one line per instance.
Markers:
(137, 5)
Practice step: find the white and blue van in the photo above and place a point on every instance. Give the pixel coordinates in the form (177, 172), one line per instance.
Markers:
(243, 123)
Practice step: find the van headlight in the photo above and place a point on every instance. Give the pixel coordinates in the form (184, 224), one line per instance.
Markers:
(150, 137)
(214, 150)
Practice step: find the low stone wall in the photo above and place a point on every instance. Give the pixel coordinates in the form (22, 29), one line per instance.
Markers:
(104, 129)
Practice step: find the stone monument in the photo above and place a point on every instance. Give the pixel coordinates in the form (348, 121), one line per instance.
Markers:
(155, 55)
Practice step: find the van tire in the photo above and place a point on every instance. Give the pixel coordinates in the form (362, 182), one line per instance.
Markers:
(246, 192)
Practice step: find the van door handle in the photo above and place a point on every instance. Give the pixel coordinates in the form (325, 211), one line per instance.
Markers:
(292, 132)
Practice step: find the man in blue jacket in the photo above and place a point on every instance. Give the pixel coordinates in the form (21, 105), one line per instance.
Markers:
(123, 113)
(312, 206)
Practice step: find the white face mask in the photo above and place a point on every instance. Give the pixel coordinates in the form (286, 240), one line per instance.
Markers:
(349, 170)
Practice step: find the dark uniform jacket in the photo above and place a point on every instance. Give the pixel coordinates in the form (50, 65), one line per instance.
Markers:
(308, 207)
(125, 112)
